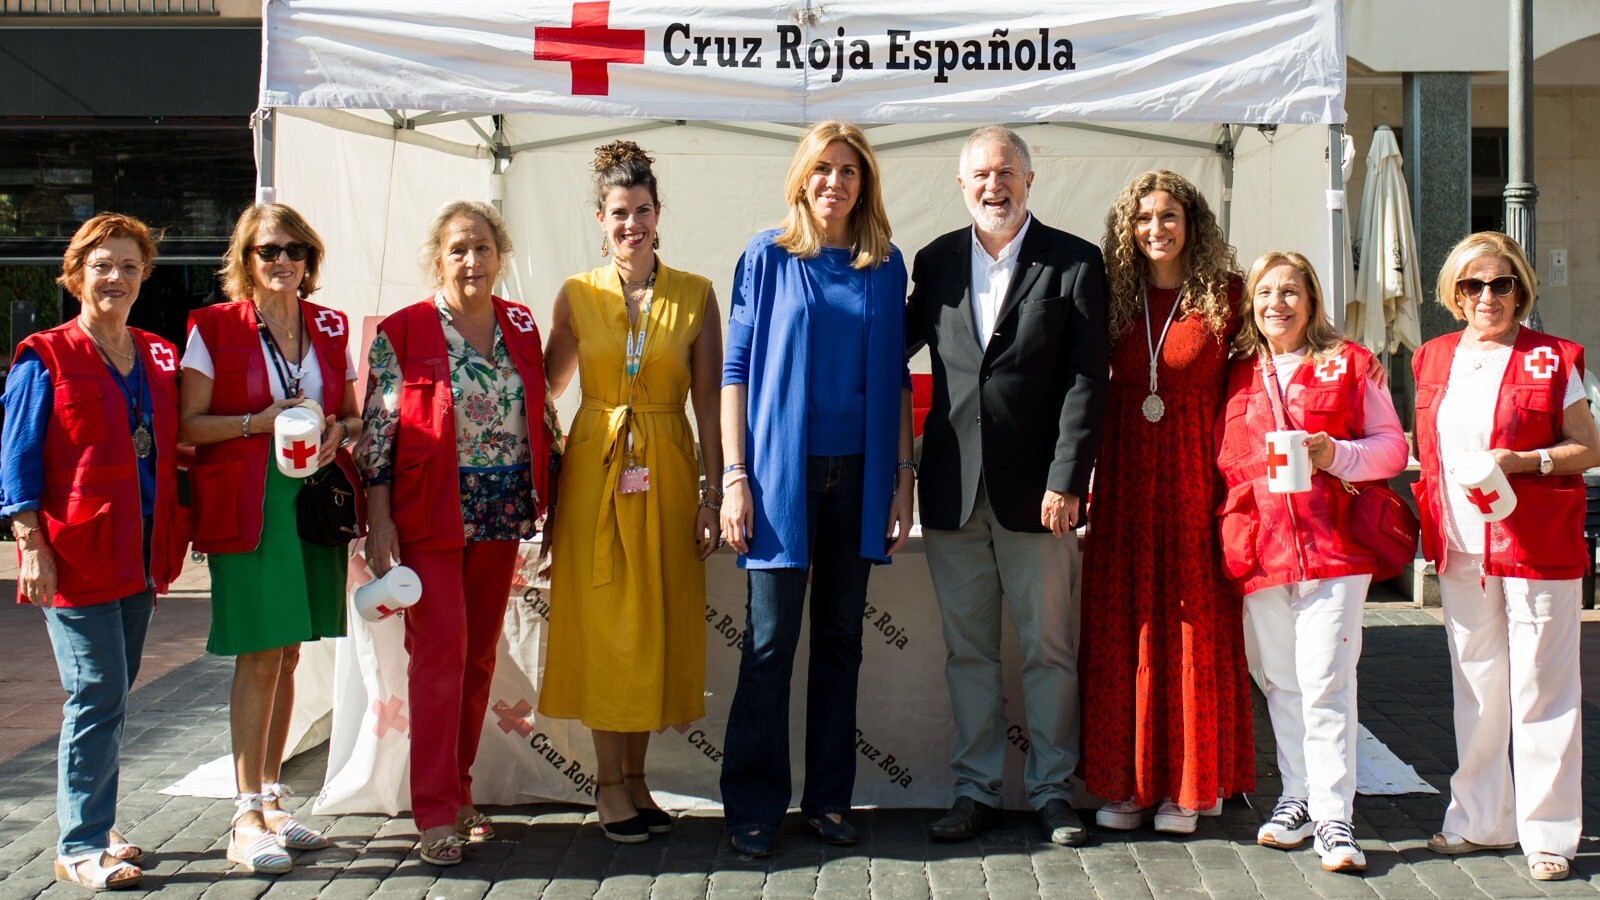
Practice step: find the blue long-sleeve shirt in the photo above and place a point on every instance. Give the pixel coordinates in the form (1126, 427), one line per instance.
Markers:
(30, 401)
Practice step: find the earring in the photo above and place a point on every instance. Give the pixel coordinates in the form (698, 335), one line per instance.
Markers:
(656, 243)
(605, 247)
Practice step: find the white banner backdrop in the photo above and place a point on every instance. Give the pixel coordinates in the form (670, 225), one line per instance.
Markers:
(903, 719)
(730, 60)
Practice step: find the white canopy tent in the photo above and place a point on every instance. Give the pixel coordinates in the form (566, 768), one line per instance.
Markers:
(374, 115)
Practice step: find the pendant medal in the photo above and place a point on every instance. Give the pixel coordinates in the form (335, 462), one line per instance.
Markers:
(142, 442)
(1153, 408)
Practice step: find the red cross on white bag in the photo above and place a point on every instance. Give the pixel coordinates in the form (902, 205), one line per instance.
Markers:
(163, 357)
(330, 323)
(389, 717)
(1541, 363)
(513, 718)
(519, 319)
(1330, 369)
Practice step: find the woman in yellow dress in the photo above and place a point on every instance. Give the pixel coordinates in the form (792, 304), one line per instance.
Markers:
(632, 527)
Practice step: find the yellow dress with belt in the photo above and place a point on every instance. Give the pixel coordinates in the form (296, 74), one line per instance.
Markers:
(627, 636)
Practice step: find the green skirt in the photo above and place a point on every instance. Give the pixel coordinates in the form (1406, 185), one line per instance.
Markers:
(285, 591)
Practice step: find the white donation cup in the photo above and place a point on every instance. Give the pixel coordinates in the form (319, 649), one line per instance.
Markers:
(297, 441)
(380, 598)
(1488, 491)
(1288, 462)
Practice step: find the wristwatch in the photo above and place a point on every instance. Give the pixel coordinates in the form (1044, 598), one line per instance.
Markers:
(1546, 464)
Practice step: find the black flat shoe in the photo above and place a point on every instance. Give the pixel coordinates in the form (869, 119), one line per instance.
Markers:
(755, 842)
(1061, 823)
(966, 819)
(628, 831)
(658, 821)
(840, 833)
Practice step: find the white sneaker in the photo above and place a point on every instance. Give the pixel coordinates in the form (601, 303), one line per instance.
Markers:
(1288, 826)
(1174, 819)
(1336, 844)
(1123, 815)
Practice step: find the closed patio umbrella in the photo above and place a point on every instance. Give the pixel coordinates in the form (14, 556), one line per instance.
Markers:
(1388, 285)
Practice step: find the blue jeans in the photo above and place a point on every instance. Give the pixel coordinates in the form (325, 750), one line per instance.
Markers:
(755, 766)
(98, 649)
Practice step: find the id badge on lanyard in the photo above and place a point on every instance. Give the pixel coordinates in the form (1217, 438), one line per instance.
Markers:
(634, 479)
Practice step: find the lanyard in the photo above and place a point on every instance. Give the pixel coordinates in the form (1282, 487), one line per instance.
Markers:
(634, 344)
(1269, 377)
(289, 374)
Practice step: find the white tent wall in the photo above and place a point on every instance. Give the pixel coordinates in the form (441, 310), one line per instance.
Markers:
(1280, 200)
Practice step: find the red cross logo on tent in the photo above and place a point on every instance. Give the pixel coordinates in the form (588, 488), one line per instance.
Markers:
(163, 356)
(330, 323)
(1484, 502)
(514, 718)
(1275, 461)
(1542, 363)
(298, 453)
(590, 45)
(389, 717)
(1330, 369)
(519, 319)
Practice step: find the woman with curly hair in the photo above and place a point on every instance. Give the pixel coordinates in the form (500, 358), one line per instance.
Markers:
(1166, 709)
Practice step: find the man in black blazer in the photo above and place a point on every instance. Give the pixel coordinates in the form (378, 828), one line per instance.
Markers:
(1013, 313)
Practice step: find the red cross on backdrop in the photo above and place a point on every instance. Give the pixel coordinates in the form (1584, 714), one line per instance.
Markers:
(1275, 461)
(298, 453)
(590, 45)
(1484, 502)
(514, 718)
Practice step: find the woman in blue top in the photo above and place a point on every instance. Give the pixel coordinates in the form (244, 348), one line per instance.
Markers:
(816, 423)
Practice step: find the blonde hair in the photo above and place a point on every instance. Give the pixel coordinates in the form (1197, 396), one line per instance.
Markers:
(1477, 246)
(432, 249)
(1323, 339)
(1208, 261)
(869, 223)
(237, 282)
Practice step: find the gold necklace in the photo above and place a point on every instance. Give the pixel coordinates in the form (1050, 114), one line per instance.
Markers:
(104, 348)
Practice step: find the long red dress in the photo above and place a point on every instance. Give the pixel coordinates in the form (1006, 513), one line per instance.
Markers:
(1166, 700)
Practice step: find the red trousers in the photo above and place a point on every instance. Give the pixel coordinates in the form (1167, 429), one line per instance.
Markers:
(452, 635)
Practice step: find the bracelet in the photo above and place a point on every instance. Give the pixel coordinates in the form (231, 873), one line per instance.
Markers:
(709, 489)
(22, 532)
(733, 467)
(734, 479)
(244, 426)
(906, 464)
(707, 503)
(346, 439)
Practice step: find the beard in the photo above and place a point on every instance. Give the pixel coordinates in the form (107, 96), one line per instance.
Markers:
(997, 220)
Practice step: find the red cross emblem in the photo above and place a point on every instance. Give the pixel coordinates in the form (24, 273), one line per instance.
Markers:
(389, 717)
(1275, 461)
(1541, 363)
(589, 45)
(164, 358)
(519, 319)
(514, 718)
(1484, 502)
(298, 453)
(330, 323)
(1330, 369)
(681, 729)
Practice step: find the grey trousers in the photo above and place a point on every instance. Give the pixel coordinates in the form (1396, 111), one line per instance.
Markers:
(1037, 573)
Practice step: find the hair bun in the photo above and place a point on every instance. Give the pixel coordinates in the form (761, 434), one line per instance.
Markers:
(620, 153)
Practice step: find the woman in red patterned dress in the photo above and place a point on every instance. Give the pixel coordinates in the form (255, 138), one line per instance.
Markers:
(1166, 706)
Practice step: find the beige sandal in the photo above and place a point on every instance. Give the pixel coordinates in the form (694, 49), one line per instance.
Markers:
(89, 870)
(1548, 866)
(475, 829)
(1451, 844)
(123, 849)
(445, 851)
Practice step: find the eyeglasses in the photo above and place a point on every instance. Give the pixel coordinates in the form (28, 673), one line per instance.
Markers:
(1501, 286)
(128, 271)
(269, 252)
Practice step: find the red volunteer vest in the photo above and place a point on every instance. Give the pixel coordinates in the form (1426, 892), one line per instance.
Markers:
(1543, 536)
(229, 479)
(426, 500)
(1271, 539)
(90, 507)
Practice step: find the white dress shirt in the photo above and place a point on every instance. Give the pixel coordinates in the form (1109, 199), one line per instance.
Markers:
(991, 279)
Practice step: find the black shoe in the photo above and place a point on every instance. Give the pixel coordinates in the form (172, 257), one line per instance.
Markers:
(631, 830)
(1061, 824)
(967, 819)
(658, 821)
(754, 841)
(840, 833)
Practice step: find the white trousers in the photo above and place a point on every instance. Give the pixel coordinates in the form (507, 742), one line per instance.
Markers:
(1514, 667)
(1308, 635)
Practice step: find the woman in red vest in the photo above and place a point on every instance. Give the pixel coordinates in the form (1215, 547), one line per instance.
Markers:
(456, 454)
(88, 474)
(1511, 586)
(246, 361)
(1303, 572)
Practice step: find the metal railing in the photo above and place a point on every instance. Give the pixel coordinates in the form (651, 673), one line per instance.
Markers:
(108, 8)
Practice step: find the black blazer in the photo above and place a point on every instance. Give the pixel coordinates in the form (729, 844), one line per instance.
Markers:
(1025, 413)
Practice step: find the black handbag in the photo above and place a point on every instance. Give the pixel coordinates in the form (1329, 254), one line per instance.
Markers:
(325, 511)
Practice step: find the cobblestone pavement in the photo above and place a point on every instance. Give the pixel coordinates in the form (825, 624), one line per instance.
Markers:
(180, 720)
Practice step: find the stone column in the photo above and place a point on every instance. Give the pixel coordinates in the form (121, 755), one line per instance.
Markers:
(1438, 166)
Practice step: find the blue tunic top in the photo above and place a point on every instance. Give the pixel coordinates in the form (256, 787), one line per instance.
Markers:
(770, 350)
(836, 402)
(29, 402)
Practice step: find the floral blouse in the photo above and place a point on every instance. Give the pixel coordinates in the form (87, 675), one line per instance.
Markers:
(492, 450)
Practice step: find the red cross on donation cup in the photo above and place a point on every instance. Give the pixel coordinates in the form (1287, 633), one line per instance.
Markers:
(1487, 488)
(297, 440)
(1288, 462)
(381, 598)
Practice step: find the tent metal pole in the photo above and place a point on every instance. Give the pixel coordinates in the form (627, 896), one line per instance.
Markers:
(1226, 148)
(264, 123)
(1336, 225)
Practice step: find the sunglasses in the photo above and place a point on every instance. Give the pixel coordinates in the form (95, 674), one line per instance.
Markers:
(269, 252)
(1502, 286)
